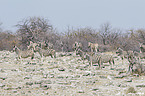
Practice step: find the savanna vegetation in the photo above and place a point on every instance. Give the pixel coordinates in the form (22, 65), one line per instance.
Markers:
(39, 29)
(74, 73)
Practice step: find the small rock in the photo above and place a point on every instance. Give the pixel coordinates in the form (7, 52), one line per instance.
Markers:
(109, 77)
(137, 75)
(39, 69)
(90, 82)
(62, 54)
(33, 63)
(95, 89)
(128, 80)
(122, 85)
(45, 86)
(130, 90)
(3, 78)
(112, 68)
(95, 64)
(19, 87)
(14, 91)
(2, 70)
(39, 82)
(86, 74)
(104, 77)
(61, 69)
(60, 77)
(82, 67)
(13, 70)
(40, 64)
(47, 82)
(8, 88)
(22, 92)
(77, 76)
(64, 83)
(29, 83)
(2, 85)
(102, 66)
(120, 69)
(51, 76)
(121, 76)
(45, 75)
(30, 70)
(70, 70)
(142, 85)
(120, 72)
(81, 91)
(27, 77)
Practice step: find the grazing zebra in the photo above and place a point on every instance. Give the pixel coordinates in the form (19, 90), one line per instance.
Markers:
(121, 53)
(139, 55)
(45, 45)
(24, 54)
(100, 59)
(46, 52)
(81, 53)
(77, 46)
(32, 45)
(135, 66)
(42, 45)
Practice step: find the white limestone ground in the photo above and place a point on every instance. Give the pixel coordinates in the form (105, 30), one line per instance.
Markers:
(65, 76)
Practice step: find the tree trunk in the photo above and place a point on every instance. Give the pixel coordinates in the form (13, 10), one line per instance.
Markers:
(104, 41)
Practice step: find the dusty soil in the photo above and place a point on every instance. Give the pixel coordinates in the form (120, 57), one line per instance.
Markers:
(65, 76)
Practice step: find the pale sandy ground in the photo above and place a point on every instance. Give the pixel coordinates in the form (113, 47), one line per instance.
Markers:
(65, 76)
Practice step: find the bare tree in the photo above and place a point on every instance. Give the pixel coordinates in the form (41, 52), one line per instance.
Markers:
(33, 29)
(105, 32)
(141, 35)
(114, 37)
(82, 35)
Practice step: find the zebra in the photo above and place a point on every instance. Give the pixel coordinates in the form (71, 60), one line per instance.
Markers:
(93, 46)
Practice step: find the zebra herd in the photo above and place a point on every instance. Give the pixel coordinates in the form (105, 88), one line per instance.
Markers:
(46, 49)
(133, 57)
(43, 48)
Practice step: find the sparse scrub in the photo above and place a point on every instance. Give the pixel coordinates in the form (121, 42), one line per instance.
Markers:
(130, 90)
(81, 53)
(38, 29)
(7, 41)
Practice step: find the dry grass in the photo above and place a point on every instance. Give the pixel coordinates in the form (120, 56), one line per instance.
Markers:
(78, 79)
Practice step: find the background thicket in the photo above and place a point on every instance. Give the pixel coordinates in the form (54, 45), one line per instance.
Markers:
(39, 29)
